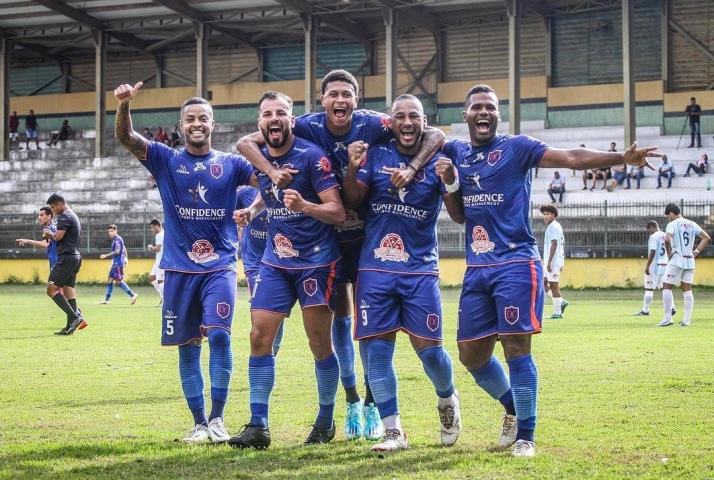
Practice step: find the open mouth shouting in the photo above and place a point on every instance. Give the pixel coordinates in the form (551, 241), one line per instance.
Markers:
(483, 127)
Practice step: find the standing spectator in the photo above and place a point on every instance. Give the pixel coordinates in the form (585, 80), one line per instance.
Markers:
(693, 111)
(635, 172)
(147, 134)
(65, 133)
(665, 170)
(701, 167)
(175, 140)
(14, 124)
(557, 185)
(161, 136)
(31, 130)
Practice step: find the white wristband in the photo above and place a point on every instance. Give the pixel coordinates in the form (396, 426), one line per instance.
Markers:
(453, 187)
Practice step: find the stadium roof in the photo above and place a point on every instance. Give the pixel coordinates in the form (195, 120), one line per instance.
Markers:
(55, 28)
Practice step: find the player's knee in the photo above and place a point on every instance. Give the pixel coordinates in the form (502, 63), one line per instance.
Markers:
(320, 345)
(260, 339)
(218, 338)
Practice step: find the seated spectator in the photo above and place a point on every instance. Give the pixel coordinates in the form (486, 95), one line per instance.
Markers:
(587, 175)
(147, 134)
(65, 133)
(635, 172)
(665, 170)
(175, 140)
(601, 174)
(557, 185)
(619, 175)
(701, 167)
(161, 136)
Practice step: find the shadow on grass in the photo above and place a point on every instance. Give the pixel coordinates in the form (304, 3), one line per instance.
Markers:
(116, 401)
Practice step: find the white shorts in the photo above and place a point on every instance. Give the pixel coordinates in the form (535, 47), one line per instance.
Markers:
(13, 136)
(653, 281)
(554, 276)
(675, 275)
(157, 272)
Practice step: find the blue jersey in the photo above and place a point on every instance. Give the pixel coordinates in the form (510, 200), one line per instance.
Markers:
(118, 252)
(367, 126)
(296, 240)
(198, 193)
(252, 243)
(51, 245)
(496, 188)
(400, 234)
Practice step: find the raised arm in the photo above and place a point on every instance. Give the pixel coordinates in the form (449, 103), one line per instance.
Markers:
(431, 142)
(249, 147)
(353, 192)
(584, 158)
(329, 211)
(453, 200)
(705, 239)
(123, 129)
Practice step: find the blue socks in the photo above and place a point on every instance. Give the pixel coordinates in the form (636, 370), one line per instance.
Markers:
(437, 365)
(261, 377)
(220, 366)
(368, 397)
(492, 378)
(192, 381)
(382, 379)
(110, 289)
(126, 289)
(327, 372)
(278, 338)
(345, 351)
(524, 383)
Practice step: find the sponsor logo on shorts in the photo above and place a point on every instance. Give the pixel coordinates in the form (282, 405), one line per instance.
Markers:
(216, 170)
(223, 309)
(391, 247)
(310, 286)
(169, 315)
(432, 321)
(481, 243)
(202, 252)
(284, 247)
(494, 157)
(511, 314)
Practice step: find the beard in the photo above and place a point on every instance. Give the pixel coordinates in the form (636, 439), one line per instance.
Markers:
(277, 142)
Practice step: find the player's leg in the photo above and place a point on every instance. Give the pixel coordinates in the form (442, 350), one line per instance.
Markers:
(119, 276)
(559, 303)
(252, 279)
(110, 286)
(523, 375)
(64, 273)
(672, 276)
(687, 297)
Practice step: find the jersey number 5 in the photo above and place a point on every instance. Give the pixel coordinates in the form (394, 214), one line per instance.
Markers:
(169, 327)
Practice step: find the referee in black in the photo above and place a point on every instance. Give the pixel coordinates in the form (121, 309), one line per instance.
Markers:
(63, 276)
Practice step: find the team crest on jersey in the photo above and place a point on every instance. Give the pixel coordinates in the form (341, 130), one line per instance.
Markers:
(216, 170)
(432, 322)
(511, 314)
(284, 247)
(494, 157)
(481, 243)
(352, 222)
(310, 286)
(386, 122)
(202, 252)
(419, 176)
(223, 309)
(391, 247)
(324, 165)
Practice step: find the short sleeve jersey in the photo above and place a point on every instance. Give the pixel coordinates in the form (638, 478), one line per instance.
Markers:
(554, 231)
(496, 187)
(69, 223)
(198, 193)
(367, 126)
(296, 240)
(255, 234)
(683, 233)
(400, 233)
(118, 246)
(52, 245)
(159, 240)
(656, 243)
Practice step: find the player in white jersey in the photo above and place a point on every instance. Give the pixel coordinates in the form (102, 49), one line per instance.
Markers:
(656, 264)
(679, 243)
(156, 277)
(553, 258)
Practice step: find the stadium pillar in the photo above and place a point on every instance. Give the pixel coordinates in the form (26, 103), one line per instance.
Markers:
(100, 104)
(5, 49)
(392, 39)
(628, 71)
(665, 45)
(159, 77)
(514, 71)
(201, 30)
(310, 25)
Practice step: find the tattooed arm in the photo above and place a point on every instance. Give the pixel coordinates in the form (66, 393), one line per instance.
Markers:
(123, 129)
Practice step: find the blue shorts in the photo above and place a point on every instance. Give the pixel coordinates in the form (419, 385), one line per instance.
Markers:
(277, 289)
(30, 133)
(503, 299)
(116, 273)
(389, 301)
(252, 277)
(196, 302)
(350, 261)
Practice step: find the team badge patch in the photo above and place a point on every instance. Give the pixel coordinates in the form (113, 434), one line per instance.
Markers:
(481, 243)
(432, 321)
(386, 122)
(324, 165)
(310, 286)
(419, 176)
(494, 157)
(511, 314)
(216, 170)
(391, 247)
(202, 252)
(223, 309)
(284, 247)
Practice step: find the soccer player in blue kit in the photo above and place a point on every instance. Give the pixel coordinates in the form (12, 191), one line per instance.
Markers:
(44, 219)
(116, 272)
(398, 281)
(502, 295)
(299, 264)
(334, 130)
(198, 191)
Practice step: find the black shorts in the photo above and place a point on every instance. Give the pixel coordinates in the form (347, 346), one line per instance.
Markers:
(64, 273)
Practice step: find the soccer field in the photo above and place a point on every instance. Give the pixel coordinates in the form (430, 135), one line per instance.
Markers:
(618, 398)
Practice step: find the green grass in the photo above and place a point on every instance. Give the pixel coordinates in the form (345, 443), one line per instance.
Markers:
(618, 398)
